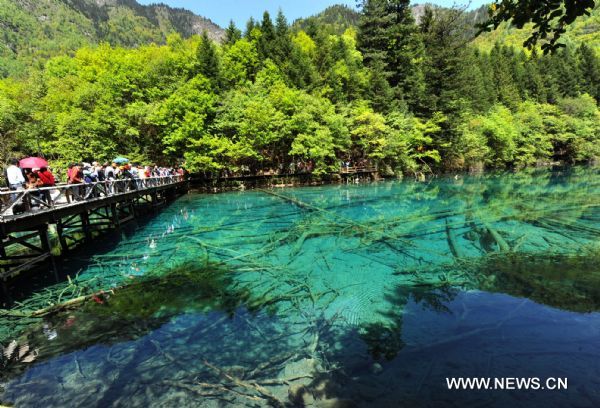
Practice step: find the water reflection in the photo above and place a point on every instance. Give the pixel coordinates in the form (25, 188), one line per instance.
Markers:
(565, 281)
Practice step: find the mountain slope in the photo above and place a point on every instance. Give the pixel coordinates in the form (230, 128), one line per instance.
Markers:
(336, 19)
(32, 30)
(585, 29)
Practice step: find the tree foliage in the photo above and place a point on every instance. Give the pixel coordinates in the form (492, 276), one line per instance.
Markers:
(402, 96)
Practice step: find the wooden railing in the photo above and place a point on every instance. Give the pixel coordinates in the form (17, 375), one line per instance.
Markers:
(361, 169)
(26, 201)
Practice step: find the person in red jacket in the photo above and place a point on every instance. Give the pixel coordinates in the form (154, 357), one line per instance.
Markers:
(75, 176)
(46, 177)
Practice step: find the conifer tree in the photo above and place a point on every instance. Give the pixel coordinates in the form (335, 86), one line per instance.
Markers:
(487, 71)
(283, 43)
(549, 74)
(506, 89)
(379, 91)
(267, 38)
(373, 37)
(281, 24)
(250, 25)
(208, 60)
(589, 70)
(232, 33)
(533, 81)
(518, 60)
(388, 33)
(312, 29)
(404, 46)
(566, 72)
(467, 91)
(300, 69)
(446, 75)
(323, 58)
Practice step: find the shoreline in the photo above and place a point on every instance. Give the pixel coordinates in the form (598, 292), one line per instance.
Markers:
(243, 183)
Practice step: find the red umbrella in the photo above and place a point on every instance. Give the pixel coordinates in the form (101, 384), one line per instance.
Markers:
(33, 163)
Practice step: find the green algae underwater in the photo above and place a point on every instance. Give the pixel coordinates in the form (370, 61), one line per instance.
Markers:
(341, 295)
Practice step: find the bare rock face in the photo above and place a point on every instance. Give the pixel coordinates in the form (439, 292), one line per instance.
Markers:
(187, 23)
(102, 3)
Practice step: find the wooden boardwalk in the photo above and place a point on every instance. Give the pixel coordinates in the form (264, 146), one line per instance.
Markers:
(75, 211)
(358, 170)
(344, 172)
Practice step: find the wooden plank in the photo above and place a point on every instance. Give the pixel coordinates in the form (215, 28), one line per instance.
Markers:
(10, 240)
(20, 257)
(24, 266)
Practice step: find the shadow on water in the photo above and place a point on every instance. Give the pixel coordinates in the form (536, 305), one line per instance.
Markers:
(134, 309)
(171, 331)
(565, 281)
(521, 316)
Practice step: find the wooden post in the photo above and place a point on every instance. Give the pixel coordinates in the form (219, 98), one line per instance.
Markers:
(155, 202)
(85, 224)
(3, 256)
(61, 237)
(48, 249)
(133, 208)
(116, 220)
(6, 292)
(2, 249)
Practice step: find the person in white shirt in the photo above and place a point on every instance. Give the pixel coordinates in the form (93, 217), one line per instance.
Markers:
(14, 178)
(14, 175)
(110, 175)
(109, 172)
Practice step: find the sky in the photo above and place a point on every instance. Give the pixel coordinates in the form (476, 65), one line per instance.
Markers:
(221, 11)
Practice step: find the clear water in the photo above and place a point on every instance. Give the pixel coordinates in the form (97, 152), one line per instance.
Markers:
(355, 295)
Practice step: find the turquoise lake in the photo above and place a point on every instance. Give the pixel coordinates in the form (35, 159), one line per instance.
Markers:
(338, 295)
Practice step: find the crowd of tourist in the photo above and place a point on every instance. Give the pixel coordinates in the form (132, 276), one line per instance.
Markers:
(78, 173)
(81, 175)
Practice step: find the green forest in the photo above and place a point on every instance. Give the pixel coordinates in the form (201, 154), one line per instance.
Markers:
(408, 95)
